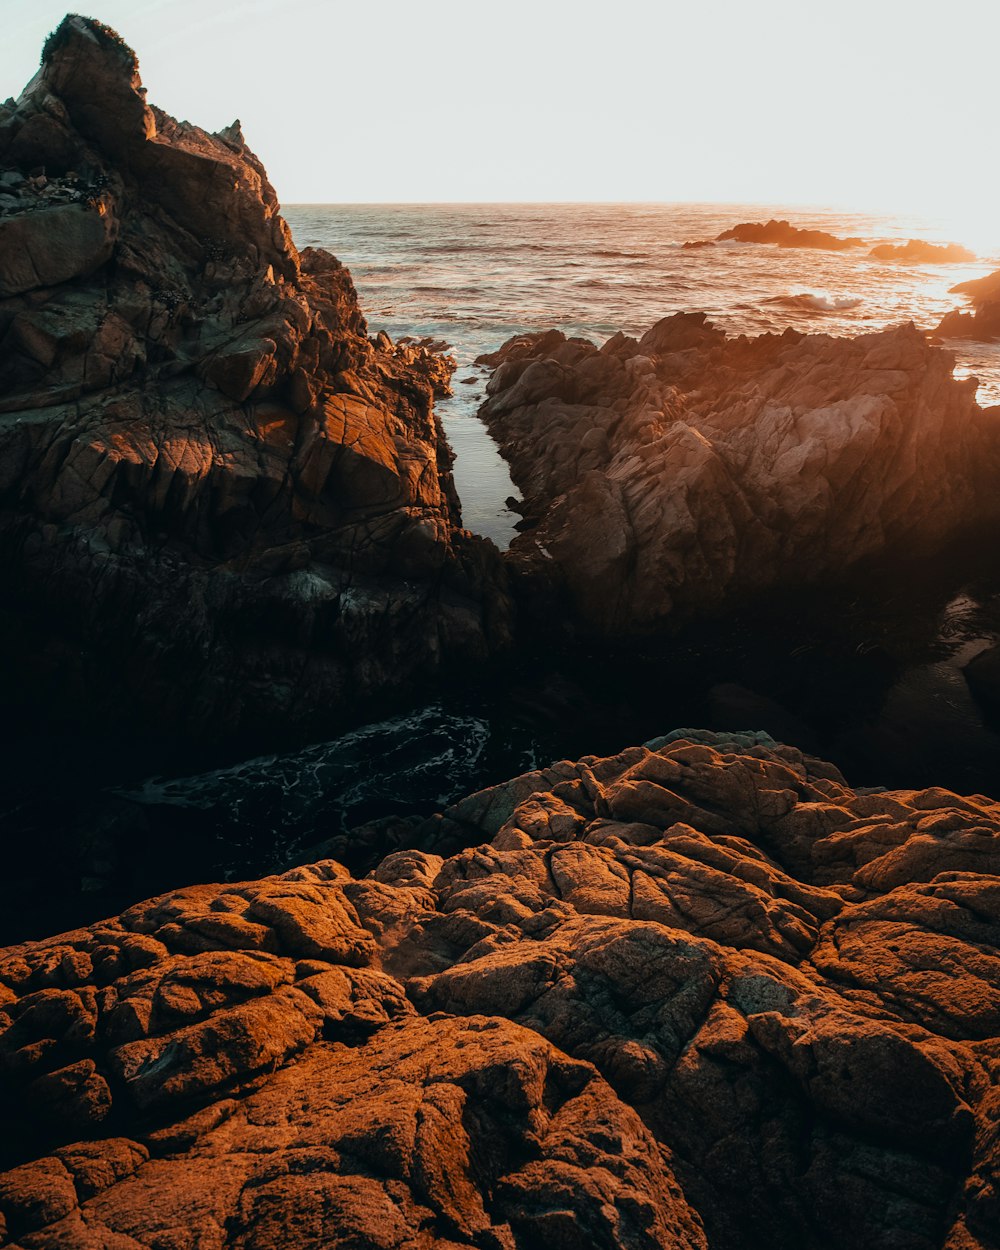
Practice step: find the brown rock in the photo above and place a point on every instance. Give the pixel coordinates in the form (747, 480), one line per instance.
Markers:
(228, 504)
(983, 323)
(698, 982)
(54, 245)
(682, 475)
(918, 252)
(786, 235)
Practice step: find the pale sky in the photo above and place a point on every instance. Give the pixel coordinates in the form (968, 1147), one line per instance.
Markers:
(872, 104)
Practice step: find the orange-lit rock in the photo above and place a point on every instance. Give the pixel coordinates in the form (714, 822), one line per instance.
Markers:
(919, 252)
(674, 476)
(786, 235)
(698, 993)
(219, 500)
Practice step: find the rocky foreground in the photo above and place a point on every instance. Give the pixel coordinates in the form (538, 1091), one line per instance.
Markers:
(676, 475)
(697, 994)
(220, 502)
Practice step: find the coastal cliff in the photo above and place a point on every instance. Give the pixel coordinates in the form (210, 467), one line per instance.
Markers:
(220, 501)
(677, 475)
(700, 993)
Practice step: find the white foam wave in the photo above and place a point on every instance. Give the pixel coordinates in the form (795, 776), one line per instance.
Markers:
(809, 301)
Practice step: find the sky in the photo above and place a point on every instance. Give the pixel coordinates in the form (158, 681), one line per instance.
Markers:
(874, 105)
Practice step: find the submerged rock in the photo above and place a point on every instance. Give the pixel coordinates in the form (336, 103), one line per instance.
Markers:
(219, 500)
(700, 993)
(673, 476)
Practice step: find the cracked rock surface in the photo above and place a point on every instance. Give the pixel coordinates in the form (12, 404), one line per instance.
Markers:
(220, 501)
(701, 993)
(675, 476)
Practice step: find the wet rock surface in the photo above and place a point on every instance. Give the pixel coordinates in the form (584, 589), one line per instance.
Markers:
(673, 476)
(220, 501)
(698, 993)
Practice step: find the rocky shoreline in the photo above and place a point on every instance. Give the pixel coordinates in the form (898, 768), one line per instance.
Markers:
(697, 994)
(784, 234)
(983, 323)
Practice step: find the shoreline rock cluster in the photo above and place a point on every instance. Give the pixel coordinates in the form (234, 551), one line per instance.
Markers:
(784, 234)
(220, 501)
(983, 323)
(698, 994)
(673, 476)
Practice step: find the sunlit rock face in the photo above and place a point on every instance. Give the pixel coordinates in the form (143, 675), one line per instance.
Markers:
(672, 476)
(219, 501)
(701, 993)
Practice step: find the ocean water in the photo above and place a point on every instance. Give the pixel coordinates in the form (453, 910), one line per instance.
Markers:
(473, 275)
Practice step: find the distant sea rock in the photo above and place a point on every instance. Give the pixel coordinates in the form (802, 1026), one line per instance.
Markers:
(674, 476)
(786, 235)
(220, 501)
(700, 993)
(983, 323)
(918, 252)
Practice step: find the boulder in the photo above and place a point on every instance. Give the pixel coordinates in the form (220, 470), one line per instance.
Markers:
(55, 245)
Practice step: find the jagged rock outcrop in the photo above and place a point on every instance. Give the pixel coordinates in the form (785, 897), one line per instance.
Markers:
(786, 235)
(700, 993)
(676, 475)
(219, 500)
(983, 323)
(920, 252)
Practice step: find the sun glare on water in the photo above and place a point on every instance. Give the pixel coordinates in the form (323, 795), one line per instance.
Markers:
(975, 224)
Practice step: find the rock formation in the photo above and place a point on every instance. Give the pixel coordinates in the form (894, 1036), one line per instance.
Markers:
(786, 235)
(697, 994)
(219, 500)
(676, 475)
(919, 252)
(983, 323)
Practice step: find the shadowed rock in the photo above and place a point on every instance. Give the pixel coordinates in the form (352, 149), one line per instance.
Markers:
(673, 476)
(219, 500)
(701, 992)
(983, 323)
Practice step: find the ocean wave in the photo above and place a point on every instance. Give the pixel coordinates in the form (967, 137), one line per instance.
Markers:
(807, 302)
